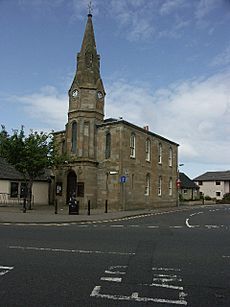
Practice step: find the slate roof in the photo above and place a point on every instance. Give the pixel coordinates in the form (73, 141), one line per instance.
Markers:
(8, 172)
(113, 121)
(186, 182)
(213, 176)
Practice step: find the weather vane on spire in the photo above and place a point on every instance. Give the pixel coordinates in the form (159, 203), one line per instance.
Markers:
(90, 7)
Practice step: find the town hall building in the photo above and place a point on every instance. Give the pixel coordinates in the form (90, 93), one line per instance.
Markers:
(110, 160)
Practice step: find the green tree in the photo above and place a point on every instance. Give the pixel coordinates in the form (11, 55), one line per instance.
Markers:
(30, 154)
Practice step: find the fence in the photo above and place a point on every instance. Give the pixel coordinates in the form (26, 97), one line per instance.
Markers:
(6, 200)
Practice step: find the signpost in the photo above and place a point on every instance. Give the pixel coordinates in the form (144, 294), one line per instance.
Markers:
(123, 179)
(178, 183)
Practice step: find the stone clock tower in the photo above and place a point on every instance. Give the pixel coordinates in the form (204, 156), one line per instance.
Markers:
(86, 100)
(86, 112)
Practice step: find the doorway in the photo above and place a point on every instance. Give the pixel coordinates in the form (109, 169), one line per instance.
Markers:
(71, 185)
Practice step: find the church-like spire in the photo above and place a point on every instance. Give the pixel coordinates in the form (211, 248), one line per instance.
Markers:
(88, 61)
(87, 90)
(88, 39)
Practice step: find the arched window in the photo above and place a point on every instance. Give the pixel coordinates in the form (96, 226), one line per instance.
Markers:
(170, 186)
(107, 145)
(148, 149)
(160, 153)
(159, 186)
(147, 185)
(170, 156)
(74, 137)
(86, 139)
(132, 145)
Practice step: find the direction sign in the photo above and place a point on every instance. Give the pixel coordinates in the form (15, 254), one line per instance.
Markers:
(123, 179)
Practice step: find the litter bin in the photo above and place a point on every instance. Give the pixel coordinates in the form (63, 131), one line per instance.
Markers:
(73, 206)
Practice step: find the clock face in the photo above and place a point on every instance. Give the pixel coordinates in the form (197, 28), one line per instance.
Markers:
(75, 93)
(99, 95)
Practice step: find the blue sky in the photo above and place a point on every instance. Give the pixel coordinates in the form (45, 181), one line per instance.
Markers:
(165, 63)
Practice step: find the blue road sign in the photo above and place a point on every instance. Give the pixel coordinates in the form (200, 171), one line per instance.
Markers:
(123, 179)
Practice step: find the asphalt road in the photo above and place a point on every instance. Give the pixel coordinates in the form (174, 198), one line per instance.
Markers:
(179, 258)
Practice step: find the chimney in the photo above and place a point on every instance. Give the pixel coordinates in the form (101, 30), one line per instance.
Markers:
(146, 128)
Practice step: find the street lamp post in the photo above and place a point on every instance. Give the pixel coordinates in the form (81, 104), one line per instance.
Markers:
(178, 184)
(108, 174)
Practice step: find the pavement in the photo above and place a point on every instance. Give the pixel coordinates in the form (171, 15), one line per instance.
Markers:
(41, 214)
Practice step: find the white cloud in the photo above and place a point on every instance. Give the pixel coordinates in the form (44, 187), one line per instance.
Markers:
(135, 18)
(194, 113)
(176, 30)
(204, 7)
(47, 106)
(222, 58)
(170, 6)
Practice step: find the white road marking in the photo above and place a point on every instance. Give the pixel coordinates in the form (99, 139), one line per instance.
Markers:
(117, 226)
(190, 226)
(211, 226)
(187, 220)
(166, 286)
(96, 222)
(114, 279)
(163, 283)
(206, 226)
(176, 227)
(225, 256)
(166, 279)
(118, 267)
(134, 297)
(166, 269)
(5, 269)
(153, 226)
(77, 251)
(187, 223)
(114, 272)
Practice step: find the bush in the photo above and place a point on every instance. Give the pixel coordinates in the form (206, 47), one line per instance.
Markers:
(207, 197)
(226, 197)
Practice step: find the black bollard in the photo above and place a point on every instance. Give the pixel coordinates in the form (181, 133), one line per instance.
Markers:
(24, 205)
(88, 207)
(106, 206)
(77, 207)
(56, 207)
